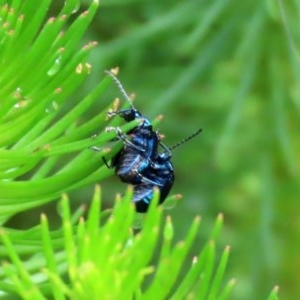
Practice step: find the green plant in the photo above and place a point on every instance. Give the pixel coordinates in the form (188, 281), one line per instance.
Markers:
(109, 261)
(44, 154)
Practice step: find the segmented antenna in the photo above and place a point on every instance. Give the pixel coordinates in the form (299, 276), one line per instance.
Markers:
(120, 87)
(185, 139)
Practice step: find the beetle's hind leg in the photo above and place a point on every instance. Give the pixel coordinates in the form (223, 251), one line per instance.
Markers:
(144, 179)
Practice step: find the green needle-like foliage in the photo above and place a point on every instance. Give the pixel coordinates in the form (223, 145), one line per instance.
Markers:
(40, 73)
(109, 261)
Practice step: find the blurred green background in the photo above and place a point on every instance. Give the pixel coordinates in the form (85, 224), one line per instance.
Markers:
(232, 68)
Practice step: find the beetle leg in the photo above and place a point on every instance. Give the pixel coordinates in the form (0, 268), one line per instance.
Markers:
(106, 163)
(145, 179)
(119, 112)
(167, 150)
(126, 141)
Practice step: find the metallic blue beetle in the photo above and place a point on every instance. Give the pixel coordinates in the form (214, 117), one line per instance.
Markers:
(139, 162)
(140, 145)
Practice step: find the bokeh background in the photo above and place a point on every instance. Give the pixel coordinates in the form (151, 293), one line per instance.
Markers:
(232, 68)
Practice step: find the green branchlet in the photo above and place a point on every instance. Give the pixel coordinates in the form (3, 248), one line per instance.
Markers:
(102, 250)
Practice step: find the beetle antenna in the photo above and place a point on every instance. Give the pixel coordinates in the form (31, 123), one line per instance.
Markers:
(119, 85)
(186, 139)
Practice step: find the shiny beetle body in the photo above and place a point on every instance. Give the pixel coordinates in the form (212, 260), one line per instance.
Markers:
(139, 162)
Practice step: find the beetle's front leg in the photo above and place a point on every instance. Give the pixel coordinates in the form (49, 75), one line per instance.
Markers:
(123, 137)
